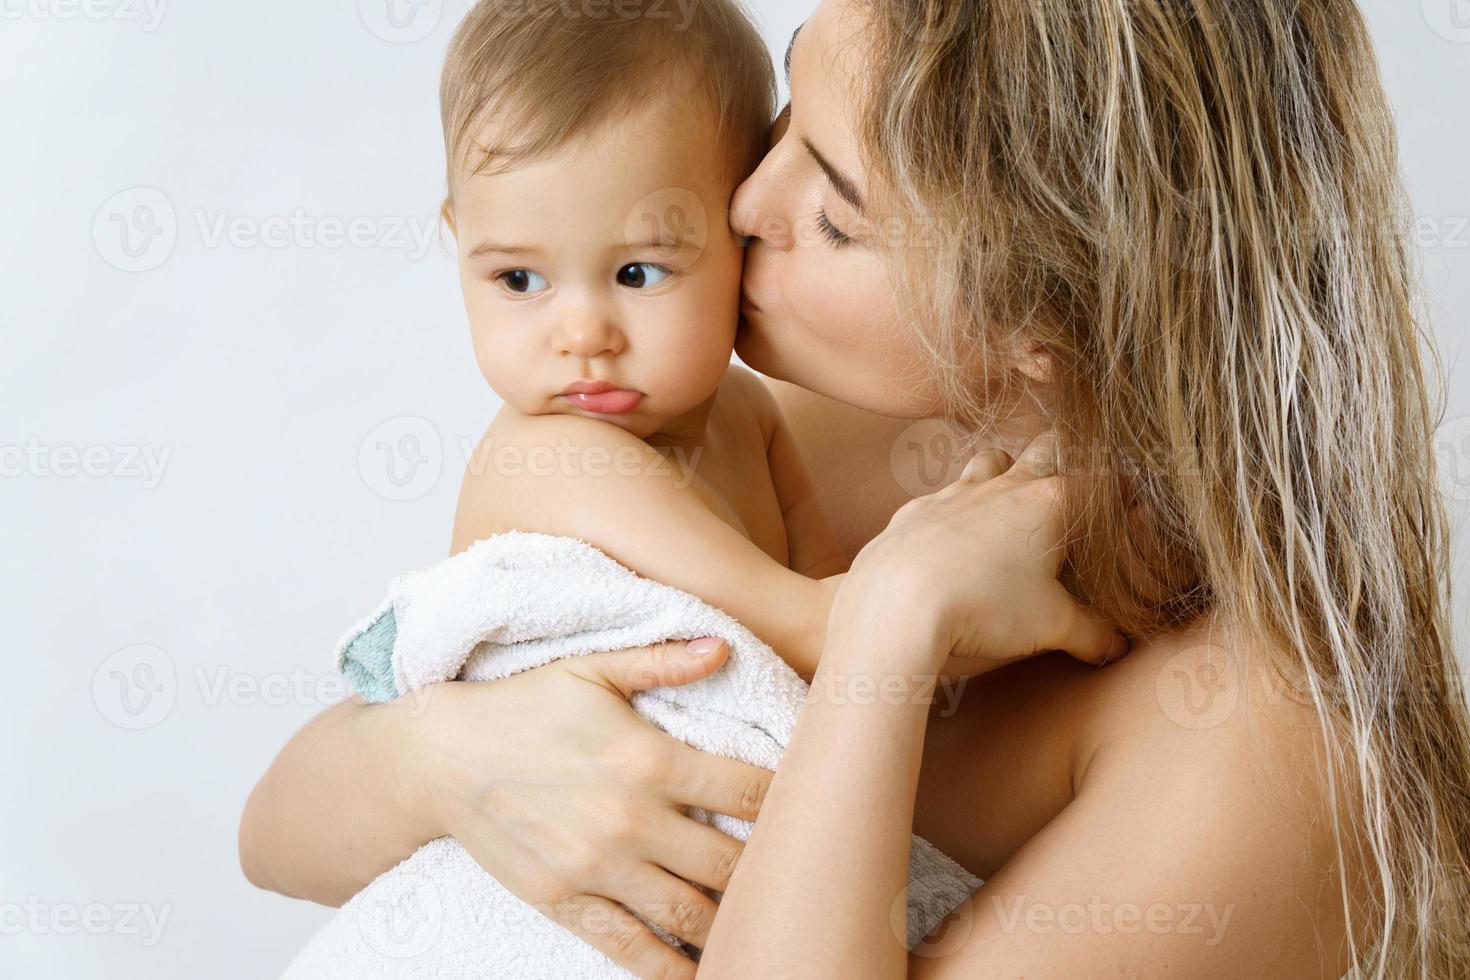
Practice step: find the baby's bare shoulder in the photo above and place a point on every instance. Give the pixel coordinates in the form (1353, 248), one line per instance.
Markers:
(530, 472)
(745, 397)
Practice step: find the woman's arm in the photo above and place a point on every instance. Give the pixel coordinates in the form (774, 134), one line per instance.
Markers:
(547, 778)
(816, 890)
(1188, 850)
(894, 621)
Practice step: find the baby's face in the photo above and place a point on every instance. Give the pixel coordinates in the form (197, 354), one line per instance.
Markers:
(611, 261)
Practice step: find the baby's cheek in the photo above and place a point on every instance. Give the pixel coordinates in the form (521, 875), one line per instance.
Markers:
(506, 366)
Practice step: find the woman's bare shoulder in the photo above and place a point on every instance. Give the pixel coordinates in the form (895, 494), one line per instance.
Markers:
(1192, 779)
(1206, 691)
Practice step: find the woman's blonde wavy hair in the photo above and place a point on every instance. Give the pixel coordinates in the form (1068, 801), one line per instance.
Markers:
(1195, 206)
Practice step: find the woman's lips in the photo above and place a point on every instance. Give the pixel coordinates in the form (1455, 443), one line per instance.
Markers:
(601, 397)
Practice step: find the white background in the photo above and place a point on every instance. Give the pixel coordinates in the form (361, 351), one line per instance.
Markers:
(256, 374)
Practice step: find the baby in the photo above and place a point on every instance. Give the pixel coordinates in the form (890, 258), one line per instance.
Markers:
(592, 158)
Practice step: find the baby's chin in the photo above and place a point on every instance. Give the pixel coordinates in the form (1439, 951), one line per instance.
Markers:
(640, 422)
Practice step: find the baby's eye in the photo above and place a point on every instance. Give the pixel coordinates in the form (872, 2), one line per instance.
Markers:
(641, 275)
(523, 281)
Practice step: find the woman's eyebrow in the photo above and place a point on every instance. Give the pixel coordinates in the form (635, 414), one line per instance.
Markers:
(789, 48)
(844, 187)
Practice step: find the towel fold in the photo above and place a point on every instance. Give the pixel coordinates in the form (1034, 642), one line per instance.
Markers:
(510, 603)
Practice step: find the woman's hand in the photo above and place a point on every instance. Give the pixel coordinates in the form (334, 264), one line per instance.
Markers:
(577, 806)
(977, 565)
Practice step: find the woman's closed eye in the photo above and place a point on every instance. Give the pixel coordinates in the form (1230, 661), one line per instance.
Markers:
(523, 281)
(642, 275)
(834, 235)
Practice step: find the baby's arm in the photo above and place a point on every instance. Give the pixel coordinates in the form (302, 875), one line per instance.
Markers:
(582, 478)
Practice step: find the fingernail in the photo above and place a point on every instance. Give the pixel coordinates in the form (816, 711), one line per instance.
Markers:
(705, 645)
(1119, 648)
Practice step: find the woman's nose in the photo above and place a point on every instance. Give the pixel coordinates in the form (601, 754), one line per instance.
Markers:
(758, 210)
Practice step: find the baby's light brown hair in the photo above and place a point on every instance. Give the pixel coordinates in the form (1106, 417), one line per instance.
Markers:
(549, 70)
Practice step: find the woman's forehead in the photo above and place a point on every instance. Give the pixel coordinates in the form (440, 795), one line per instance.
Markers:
(825, 72)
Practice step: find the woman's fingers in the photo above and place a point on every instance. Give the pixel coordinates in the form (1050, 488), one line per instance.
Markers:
(716, 784)
(986, 465)
(618, 934)
(668, 902)
(1082, 633)
(1039, 459)
(694, 851)
(660, 665)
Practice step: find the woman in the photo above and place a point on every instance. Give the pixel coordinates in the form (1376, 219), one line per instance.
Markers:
(1158, 228)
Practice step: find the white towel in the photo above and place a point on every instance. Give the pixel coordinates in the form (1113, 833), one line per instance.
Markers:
(509, 603)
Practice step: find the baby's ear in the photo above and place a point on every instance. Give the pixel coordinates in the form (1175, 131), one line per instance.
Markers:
(446, 215)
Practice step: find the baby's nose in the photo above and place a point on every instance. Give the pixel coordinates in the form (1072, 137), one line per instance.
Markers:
(590, 334)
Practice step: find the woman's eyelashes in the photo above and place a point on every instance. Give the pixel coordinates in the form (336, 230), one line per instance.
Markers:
(836, 236)
(634, 275)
